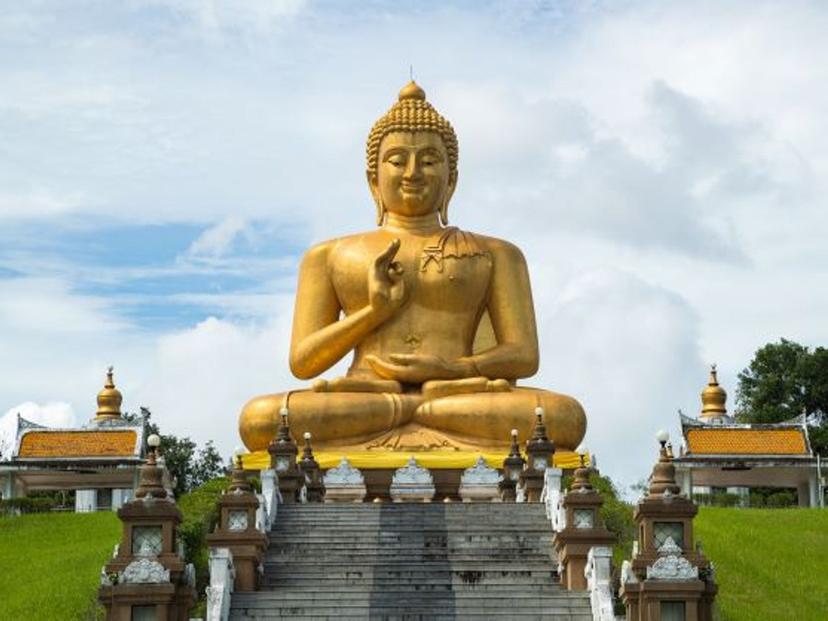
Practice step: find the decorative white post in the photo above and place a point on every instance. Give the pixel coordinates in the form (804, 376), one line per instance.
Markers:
(597, 573)
(270, 491)
(222, 575)
(551, 498)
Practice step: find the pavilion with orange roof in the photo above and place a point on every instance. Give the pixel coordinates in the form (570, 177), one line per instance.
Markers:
(720, 453)
(99, 461)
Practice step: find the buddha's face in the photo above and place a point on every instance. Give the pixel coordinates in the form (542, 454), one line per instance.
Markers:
(413, 176)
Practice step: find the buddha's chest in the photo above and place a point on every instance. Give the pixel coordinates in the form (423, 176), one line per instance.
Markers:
(437, 277)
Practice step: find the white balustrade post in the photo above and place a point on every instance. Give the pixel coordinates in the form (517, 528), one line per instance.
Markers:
(222, 575)
(551, 494)
(270, 491)
(597, 573)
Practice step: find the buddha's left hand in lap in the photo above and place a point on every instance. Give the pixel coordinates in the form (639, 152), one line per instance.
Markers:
(419, 368)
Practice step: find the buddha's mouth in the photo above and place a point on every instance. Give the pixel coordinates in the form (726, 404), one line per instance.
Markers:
(413, 188)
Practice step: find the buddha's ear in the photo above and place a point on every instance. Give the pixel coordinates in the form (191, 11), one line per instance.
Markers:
(452, 184)
(374, 187)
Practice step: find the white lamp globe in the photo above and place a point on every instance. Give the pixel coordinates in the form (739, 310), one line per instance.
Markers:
(154, 440)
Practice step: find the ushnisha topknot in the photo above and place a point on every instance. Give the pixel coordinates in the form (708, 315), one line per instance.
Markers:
(411, 113)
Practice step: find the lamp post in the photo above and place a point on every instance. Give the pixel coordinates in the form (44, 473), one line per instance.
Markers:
(512, 468)
(539, 451)
(283, 452)
(313, 474)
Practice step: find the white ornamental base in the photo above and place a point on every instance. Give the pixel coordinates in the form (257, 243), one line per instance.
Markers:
(345, 494)
(480, 493)
(414, 494)
(412, 483)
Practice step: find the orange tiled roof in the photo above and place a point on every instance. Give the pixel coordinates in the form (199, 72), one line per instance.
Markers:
(78, 444)
(746, 442)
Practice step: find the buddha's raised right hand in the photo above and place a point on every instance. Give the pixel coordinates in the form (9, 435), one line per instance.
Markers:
(386, 287)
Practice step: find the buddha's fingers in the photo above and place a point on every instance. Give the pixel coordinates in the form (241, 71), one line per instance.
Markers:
(383, 260)
(401, 373)
(396, 271)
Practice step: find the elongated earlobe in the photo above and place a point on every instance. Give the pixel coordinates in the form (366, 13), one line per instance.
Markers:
(443, 211)
(380, 211)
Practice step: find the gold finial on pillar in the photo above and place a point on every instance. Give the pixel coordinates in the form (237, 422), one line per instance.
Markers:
(151, 477)
(109, 399)
(238, 480)
(663, 477)
(713, 397)
(580, 481)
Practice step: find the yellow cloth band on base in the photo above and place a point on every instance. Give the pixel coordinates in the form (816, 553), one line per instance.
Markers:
(433, 460)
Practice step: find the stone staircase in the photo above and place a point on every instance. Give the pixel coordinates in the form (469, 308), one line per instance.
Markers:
(411, 561)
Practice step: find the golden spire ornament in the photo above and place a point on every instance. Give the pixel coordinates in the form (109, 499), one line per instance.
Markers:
(109, 399)
(713, 397)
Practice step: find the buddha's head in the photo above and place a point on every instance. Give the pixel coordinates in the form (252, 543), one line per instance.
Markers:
(412, 158)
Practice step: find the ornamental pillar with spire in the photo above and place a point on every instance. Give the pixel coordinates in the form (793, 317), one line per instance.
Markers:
(713, 399)
(109, 400)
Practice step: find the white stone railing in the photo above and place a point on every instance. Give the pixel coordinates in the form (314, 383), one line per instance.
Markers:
(271, 496)
(263, 522)
(597, 573)
(222, 575)
(552, 498)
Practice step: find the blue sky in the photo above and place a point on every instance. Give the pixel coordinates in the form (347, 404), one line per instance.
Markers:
(164, 164)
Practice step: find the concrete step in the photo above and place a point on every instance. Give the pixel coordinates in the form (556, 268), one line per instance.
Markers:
(411, 614)
(538, 585)
(411, 561)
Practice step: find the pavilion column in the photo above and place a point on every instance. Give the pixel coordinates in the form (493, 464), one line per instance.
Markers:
(86, 500)
(803, 494)
(120, 497)
(684, 477)
(813, 489)
(8, 486)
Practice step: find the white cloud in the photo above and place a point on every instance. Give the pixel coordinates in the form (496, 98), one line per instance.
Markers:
(216, 18)
(629, 350)
(35, 205)
(217, 240)
(662, 164)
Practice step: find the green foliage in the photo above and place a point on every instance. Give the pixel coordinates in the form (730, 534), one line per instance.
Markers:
(717, 500)
(770, 564)
(50, 563)
(617, 515)
(187, 466)
(199, 509)
(784, 380)
(15, 506)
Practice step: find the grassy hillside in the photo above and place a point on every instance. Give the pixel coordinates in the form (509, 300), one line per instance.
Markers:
(50, 563)
(770, 563)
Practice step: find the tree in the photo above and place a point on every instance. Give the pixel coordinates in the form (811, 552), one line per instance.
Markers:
(187, 467)
(784, 380)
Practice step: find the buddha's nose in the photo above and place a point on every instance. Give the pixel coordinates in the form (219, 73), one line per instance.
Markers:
(412, 169)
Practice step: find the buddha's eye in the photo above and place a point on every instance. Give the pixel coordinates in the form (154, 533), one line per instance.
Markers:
(396, 161)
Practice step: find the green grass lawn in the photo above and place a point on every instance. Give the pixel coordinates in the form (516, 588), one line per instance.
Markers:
(50, 563)
(770, 563)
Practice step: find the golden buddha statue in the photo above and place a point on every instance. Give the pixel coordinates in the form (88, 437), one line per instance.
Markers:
(440, 321)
